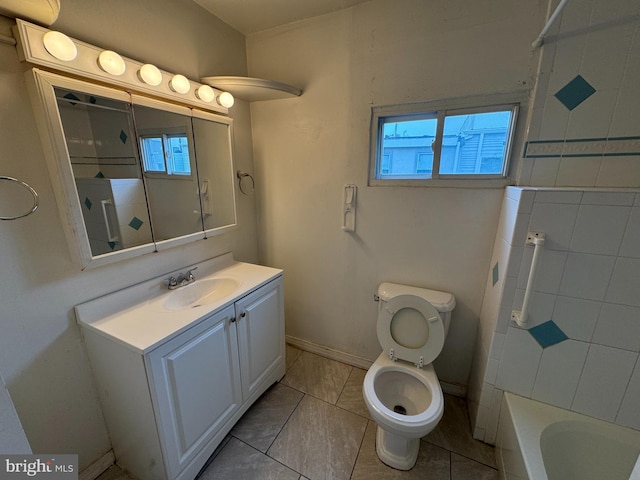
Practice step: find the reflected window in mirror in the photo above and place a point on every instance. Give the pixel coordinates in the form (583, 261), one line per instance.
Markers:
(170, 176)
(166, 153)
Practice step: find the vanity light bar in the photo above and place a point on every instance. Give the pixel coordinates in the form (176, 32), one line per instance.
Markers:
(55, 50)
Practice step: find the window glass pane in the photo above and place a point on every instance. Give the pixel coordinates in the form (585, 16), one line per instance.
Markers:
(406, 148)
(152, 154)
(179, 154)
(475, 143)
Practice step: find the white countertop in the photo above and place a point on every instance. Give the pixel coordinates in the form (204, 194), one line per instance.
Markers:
(136, 318)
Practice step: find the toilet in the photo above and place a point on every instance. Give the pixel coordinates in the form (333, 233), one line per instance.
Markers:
(401, 389)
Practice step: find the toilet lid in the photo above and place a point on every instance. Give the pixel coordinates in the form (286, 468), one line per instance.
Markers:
(412, 327)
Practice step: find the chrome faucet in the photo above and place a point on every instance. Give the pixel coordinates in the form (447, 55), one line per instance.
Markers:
(181, 280)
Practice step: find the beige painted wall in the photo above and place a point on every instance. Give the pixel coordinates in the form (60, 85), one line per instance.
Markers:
(42, 357)
(307, 148)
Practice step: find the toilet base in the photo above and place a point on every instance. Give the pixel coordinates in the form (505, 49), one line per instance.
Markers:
(396, 451)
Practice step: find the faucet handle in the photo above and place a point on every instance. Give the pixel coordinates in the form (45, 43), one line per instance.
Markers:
(189, 276)
(172, 282)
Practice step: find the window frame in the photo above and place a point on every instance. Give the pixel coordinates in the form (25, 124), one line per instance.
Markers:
(164, 134)
(439, 109)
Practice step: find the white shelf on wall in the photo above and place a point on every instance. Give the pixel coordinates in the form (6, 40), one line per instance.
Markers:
(252, 89)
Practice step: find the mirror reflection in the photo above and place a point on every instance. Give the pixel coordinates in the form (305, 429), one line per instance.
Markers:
(146, 172)
(213, 146)
(104, 158)
(168, 162)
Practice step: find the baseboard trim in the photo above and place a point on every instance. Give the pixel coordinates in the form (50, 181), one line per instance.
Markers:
(349, 359)
(360, 362)
(98, 467)
(454, 389)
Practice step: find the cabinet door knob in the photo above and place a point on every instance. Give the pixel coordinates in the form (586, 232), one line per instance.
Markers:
(243, 314)
(233, 319)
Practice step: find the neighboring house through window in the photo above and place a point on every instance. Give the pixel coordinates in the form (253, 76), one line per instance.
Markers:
(466, 139)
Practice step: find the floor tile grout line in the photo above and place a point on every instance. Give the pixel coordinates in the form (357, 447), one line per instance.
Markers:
(350, 411)
(424, 439)
(364, 434)
(274, 459)
(474, 460)
(326, 358)
(325, 401)
(344, 385)
(297, 359)
(215, 454)
(285, 423)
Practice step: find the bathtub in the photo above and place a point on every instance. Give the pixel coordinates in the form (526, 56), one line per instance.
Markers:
(538, 442)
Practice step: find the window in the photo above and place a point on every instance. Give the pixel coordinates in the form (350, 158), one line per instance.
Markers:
(442, 141)
(166, 153)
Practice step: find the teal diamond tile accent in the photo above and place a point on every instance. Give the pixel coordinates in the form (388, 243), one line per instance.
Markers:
(112, 245)
(87, 203)
(135, 223)
(575, 92)
(494, 273)
(547, 334)
(99, 175)
(92, 99)
(123, 136)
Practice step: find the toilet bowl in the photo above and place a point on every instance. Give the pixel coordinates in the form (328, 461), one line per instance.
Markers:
(401, 389)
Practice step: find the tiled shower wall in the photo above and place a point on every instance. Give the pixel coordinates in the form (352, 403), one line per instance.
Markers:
(583, 132)
(584, 129)
(587, 295)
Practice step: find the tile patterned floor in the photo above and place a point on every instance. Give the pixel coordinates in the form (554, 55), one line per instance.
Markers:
(314, 425)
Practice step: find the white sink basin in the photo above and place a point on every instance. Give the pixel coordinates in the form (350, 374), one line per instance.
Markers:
(201, 292)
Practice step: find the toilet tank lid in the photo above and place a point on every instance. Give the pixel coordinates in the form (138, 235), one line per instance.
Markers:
(442, 301)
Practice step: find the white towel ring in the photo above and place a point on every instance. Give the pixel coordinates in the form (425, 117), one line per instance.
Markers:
(34, 207)
(241, 175)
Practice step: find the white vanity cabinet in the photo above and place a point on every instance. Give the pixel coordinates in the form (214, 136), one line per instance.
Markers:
(169, 399)
(260, 336)
(200, 379)
(195, 386)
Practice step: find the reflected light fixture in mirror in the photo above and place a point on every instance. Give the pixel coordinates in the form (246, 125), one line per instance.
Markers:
(60, 46)
(150, 74)
(179, 83)
(226, 99)
(205, 93)
(111, 62)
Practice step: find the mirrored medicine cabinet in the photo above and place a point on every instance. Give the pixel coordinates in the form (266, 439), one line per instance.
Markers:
(132, 174)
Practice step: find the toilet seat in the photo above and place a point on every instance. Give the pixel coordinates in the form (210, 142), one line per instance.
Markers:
(428, 348)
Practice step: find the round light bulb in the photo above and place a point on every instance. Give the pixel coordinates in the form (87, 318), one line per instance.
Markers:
(179, 83)
(111, 63)
(205, 93)
(150, 74)
(225, 99)
(60, 46)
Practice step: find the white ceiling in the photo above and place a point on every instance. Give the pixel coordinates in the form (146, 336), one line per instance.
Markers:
(251, 16)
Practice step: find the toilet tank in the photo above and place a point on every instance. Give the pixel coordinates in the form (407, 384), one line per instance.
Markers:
(443, 302)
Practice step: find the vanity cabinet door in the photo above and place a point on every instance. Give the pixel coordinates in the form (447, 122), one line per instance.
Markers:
(195, 385)
(261, 341)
